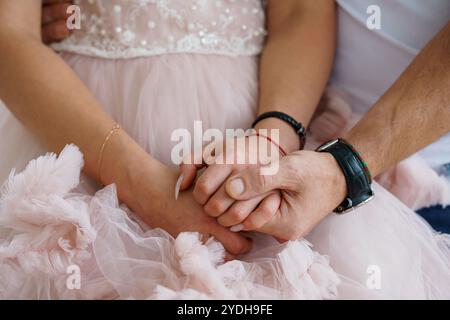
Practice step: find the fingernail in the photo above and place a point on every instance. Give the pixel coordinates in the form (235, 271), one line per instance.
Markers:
(237, 228)
(178, 185)
(237, 186)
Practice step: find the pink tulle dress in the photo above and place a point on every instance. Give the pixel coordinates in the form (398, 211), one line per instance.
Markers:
(157, 66)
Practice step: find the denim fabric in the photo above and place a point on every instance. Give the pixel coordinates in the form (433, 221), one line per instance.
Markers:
(445, 170)
(438, 217)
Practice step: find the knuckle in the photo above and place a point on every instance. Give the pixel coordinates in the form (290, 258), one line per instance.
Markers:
(230, 218)
(202, 188)
(257, 222)
(214, 208)
(236, 215)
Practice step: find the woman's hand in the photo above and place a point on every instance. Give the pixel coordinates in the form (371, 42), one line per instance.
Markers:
(147, 188)
(54, 17)
(311, 184)
(228, 159)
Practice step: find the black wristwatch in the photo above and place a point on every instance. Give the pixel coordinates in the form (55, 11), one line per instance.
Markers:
(357, 175)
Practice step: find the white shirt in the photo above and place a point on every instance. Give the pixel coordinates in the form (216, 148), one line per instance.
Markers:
(369, 61)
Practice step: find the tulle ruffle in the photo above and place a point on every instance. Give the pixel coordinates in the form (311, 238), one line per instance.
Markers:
(50, 226)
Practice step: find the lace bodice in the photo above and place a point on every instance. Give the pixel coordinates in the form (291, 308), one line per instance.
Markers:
(135, 28)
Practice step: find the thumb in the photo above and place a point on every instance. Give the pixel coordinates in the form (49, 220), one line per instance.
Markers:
(250, 183)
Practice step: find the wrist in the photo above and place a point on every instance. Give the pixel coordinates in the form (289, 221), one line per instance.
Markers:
(357, 176)
(337, 180)
(125, 164)
(288, 138)
(363, 144)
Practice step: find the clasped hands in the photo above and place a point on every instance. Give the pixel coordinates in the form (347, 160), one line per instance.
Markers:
(286, 204)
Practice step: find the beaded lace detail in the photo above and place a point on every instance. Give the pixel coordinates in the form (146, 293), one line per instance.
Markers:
(136, 28)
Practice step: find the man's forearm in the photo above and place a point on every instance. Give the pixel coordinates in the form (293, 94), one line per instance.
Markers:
(412, 114)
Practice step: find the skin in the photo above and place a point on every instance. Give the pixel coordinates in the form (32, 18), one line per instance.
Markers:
(54, 15)
(56, 106)
(291, 83)
(412, 114)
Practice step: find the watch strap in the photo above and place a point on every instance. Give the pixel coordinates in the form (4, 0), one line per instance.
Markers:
(354, 169)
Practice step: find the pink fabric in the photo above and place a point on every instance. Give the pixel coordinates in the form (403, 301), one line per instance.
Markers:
(50, 224)
(49, 221)
(47, 225)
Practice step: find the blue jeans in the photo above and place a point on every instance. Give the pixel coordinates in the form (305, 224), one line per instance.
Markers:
(438, 217)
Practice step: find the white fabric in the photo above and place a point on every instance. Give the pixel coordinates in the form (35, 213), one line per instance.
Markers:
(369, 61)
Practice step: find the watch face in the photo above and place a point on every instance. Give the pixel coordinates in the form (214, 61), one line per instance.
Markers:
(327, 145)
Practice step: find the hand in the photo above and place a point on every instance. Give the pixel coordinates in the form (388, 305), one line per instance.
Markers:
(54, 15)
(155, 203)
(312, 185)
(230, 158)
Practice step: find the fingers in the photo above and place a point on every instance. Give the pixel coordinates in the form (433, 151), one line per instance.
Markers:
(189, 172)
(239, 211)
(55, 11)
(55, 31)
(218, 203)
(210, 181)
(189, 168)
(234, 243)
(250, 183)
(264, 213)
(54, 15)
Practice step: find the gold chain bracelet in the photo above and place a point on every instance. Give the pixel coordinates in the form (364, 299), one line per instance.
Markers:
(114, 129)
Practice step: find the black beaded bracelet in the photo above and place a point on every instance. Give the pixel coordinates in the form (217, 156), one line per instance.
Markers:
(297, 126)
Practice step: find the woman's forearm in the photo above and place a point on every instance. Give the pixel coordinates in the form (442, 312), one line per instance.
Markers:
(296, 62)
(51, 101)
(412, 114)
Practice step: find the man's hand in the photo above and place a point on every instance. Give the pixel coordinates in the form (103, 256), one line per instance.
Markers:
(311, 185)
(54, 16)
(209, 190)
